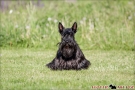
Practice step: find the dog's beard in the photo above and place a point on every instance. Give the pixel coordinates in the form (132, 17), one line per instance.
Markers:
(68, 49)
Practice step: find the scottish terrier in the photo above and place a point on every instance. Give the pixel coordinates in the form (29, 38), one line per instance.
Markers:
(112, 87)
(69, 55)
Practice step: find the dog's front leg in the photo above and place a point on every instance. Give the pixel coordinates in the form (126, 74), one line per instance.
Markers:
(53, 65)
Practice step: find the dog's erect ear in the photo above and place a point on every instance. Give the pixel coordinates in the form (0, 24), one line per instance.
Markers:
(60, 26)
(74, 27)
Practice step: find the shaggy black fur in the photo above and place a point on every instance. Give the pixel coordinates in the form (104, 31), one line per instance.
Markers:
(69, 55)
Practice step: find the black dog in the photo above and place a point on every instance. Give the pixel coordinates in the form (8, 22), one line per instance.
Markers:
(112, 87)
(69, 55)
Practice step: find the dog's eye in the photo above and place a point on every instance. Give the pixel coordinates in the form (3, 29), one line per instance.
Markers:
(65, 35)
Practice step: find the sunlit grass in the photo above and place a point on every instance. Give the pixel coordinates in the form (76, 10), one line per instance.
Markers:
(25, 69)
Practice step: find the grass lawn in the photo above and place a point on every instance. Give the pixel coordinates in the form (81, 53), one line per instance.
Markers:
(105, 31)
(25, 69)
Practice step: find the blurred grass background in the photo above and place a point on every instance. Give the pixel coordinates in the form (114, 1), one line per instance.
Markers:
(102, 25)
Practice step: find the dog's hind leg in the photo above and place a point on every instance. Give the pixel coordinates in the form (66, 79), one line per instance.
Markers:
(84, 64)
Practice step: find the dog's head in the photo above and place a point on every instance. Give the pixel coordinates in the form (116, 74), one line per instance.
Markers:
(68, 43)
(110, 85)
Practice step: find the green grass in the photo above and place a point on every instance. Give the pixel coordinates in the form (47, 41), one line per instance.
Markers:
(102, 25)
(24, 69)
(28, 41)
